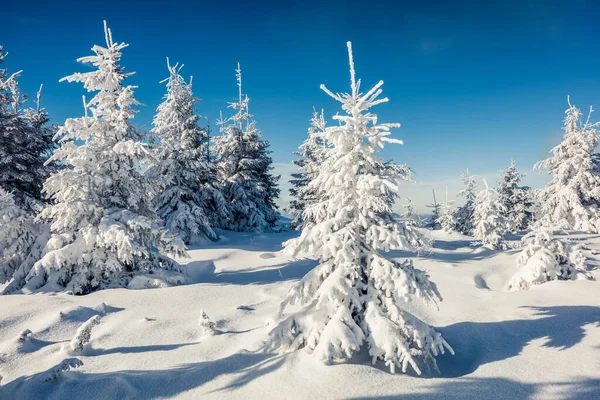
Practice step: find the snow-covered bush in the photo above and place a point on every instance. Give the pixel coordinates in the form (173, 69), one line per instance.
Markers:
(489, 226)
(187, 195)
(104, 228)
(311, 155)
(545, 258)
(355, 296)
(244, 168)
(22, 242)
(464, 215)
(83, 334)
(57, 372)
(517, 200)
(570, 200)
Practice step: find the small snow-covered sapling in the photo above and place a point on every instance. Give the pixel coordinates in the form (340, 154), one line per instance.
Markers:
(207, 327)
(83, 335)
(58, 371)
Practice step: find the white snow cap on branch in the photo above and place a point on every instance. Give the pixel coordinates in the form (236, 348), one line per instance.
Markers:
(355, 296)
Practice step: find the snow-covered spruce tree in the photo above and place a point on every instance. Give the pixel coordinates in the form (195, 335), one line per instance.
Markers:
(571, 199)
(22, 241)
(409, 217)
(464, 214)
(187, 196)
(104, 229)
(23, 146)
(489, 225)
(436, 210)
(311, 155)
(546, 258)
(40, 122)
(446, 219)
(355, 296)
(245, 169)
(517, 200)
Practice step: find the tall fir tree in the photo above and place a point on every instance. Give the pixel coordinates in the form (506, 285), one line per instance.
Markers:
(464, 214)
(311, 154)
(25, 144)
(245, 167)
(104, 228)
(517, 200)
(187, 196)
(356, 296)
(571, 199)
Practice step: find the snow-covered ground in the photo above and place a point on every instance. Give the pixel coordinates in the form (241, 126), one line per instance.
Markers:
(543, 343)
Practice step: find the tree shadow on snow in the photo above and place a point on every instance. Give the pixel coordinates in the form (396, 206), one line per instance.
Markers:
(480, 343)
(500, 388)
(92, 351)
(204, 272)
(149, 384)
(475, 253)
(249, 241)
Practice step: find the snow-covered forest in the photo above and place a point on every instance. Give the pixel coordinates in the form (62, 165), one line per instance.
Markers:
(158, 263)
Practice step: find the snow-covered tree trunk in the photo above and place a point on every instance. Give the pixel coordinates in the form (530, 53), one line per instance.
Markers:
(104, 228)
(355, 296)
(571, 199)
(245, 170)
(187, 195)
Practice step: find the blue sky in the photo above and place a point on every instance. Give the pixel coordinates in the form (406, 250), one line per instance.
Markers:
(473, 83)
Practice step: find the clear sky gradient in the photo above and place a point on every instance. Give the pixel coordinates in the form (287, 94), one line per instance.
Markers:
(473, 83)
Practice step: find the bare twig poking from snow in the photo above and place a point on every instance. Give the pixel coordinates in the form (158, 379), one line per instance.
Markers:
(24, 336)
(207, 327)
(58, 371)
(84, 332)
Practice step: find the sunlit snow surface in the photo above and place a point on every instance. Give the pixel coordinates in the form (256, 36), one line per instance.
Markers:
(543, 343)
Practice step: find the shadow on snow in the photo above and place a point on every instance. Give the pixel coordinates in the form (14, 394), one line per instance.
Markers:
(145, 384)
(480, 343)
